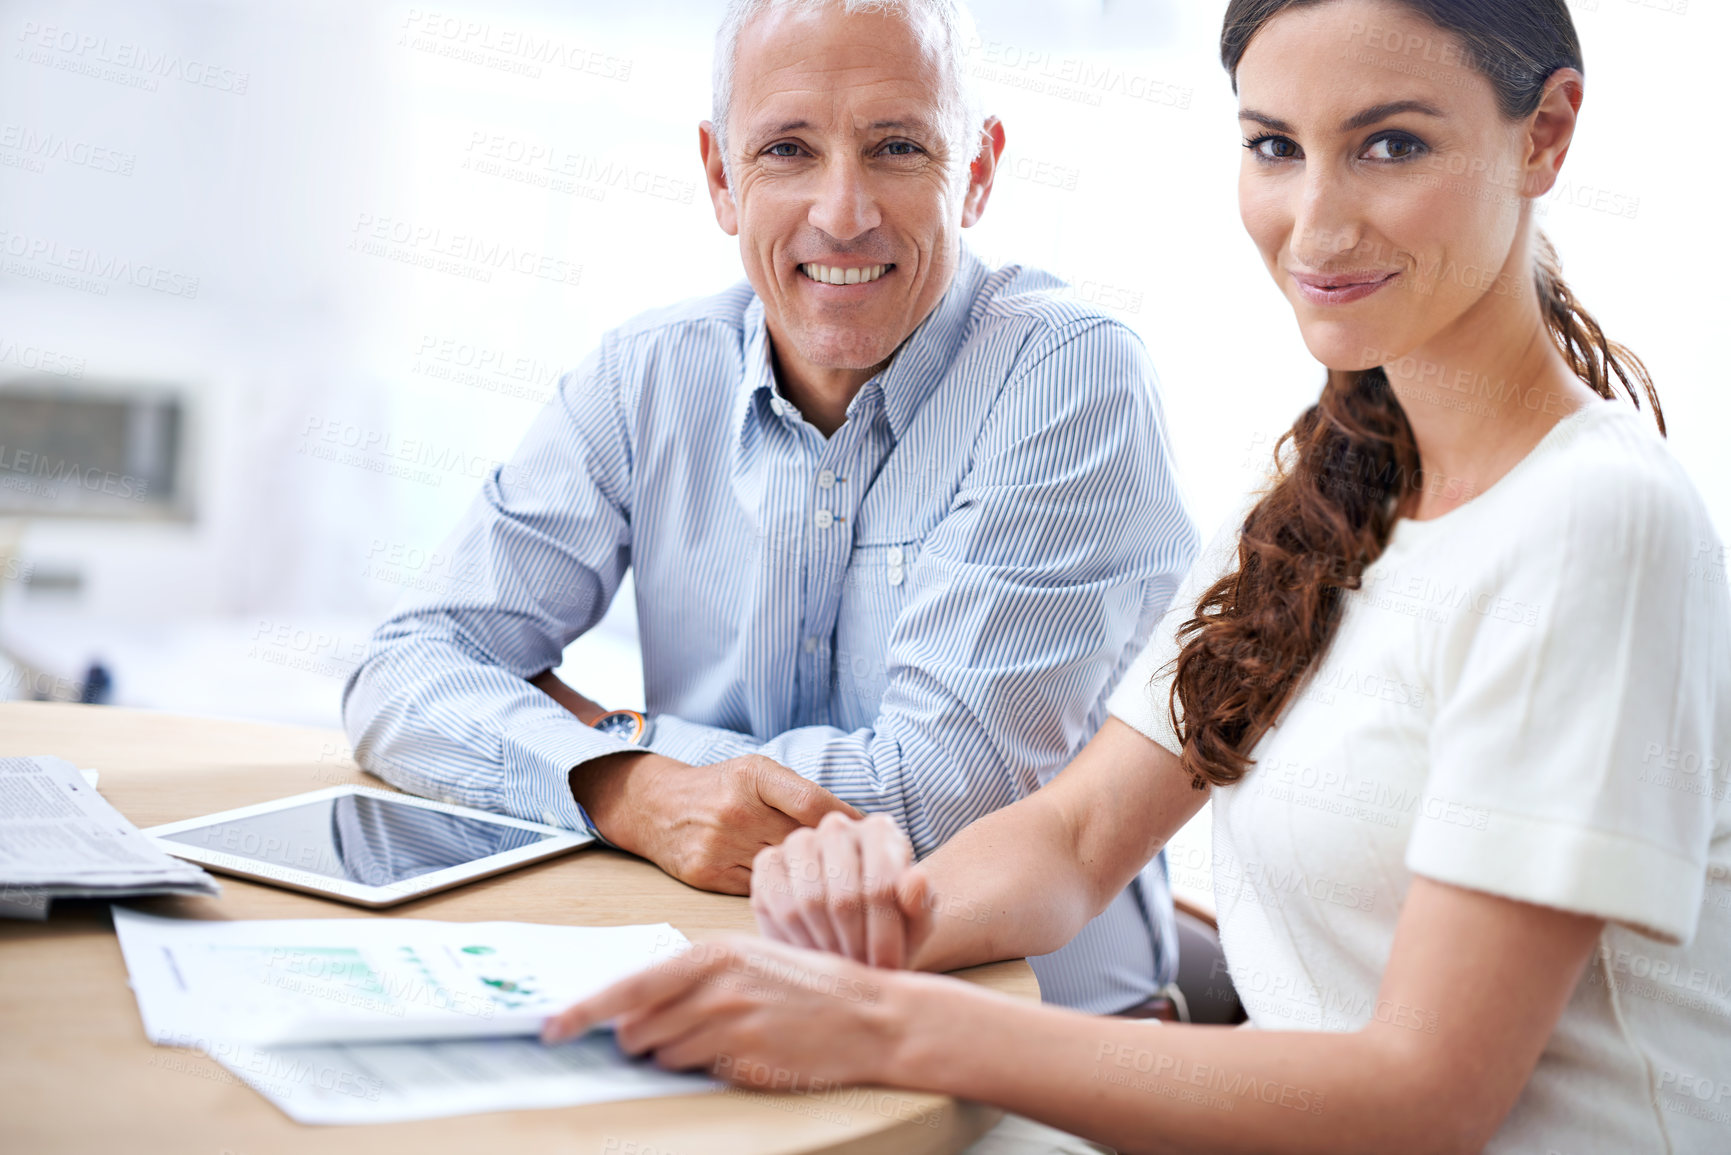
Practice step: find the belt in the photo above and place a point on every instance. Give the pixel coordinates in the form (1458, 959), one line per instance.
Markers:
(1159, 1007)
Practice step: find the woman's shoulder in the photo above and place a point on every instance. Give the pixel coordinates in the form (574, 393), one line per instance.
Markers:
(1607, 484)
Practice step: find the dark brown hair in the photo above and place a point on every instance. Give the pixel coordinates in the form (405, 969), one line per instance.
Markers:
(1346, 463)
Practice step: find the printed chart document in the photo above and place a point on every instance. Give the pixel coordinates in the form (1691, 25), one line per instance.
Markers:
(59, 838)
(358, 1020)
(398, 1082)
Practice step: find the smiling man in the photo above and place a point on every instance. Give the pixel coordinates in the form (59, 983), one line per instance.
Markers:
(897, 521)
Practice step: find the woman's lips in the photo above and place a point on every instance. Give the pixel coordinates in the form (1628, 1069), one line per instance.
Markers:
(1341, 288)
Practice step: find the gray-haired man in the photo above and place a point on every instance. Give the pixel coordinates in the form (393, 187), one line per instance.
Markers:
(897, 521)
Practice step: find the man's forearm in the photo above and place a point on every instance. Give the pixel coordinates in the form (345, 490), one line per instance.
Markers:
(585, 709)
(426, 716)
(616, 790)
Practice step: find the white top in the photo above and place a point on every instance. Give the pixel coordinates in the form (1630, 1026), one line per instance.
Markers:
(1530, 696)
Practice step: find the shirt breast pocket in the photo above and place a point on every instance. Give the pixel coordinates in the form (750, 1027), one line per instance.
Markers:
(875, 594)
(882, 566)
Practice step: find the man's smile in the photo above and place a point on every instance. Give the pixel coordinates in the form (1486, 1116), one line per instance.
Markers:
(839, 275)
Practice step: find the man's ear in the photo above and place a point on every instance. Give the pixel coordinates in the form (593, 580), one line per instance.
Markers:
(1551, 130)
(982, 171)
(715, 172)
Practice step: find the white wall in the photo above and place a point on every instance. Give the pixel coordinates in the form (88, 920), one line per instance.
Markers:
(321, 116)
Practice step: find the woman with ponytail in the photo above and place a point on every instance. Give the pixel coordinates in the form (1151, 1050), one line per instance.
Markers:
(1457, 682)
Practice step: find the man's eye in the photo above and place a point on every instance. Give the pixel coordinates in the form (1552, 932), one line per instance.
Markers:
(1399, 147)
(1271, 147)
(901, 148)
(784, 148)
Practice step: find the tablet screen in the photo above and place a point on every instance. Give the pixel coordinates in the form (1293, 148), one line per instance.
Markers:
(358, 838)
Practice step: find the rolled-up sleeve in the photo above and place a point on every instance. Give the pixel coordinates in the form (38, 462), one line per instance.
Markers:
(440, 705)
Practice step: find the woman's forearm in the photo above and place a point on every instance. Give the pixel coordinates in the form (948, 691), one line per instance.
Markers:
(1143, 1087)
(1005, 887)
(1025, 879)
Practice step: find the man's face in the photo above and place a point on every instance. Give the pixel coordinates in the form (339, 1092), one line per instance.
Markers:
(846, 196)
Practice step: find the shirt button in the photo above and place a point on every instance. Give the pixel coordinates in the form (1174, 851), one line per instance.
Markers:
(811, 645)
(548, 818)
(826, 479)
(894, 556)
(825, 519)
(896, 576)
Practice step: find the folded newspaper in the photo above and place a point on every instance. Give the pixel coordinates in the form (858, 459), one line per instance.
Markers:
(59, 838)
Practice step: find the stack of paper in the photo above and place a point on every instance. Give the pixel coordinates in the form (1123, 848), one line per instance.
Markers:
(367, 1020)
(60, 839)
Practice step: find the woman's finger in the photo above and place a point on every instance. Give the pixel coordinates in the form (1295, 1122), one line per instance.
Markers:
(772, 899)
(647, 988)
(651, 1027)
(777, 893)
(701, 1048)
(843, 904)
(804, 857)
(885, 855)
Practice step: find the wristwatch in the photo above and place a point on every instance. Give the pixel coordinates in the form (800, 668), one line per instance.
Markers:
(627, 725)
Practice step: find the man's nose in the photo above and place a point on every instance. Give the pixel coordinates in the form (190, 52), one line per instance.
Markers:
(844, 207)
(1327, 224)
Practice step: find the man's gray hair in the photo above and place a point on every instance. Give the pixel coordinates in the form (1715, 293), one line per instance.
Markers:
(960, 106)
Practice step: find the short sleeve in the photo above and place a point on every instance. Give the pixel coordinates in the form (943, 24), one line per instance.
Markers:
(1141, 697)
(1579, 746)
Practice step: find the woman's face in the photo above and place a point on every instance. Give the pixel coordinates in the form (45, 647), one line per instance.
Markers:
(1380, 180)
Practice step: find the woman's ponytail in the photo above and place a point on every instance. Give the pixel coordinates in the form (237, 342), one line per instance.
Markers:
(1592, 356)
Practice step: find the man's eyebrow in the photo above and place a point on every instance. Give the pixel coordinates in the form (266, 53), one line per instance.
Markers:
(918, 125)
(1264, 120)
(902, 123)
(1383, 111)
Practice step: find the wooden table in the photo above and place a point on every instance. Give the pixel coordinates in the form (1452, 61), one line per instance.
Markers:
(77, 1074)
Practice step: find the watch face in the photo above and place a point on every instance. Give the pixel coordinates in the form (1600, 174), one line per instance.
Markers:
(620, 725)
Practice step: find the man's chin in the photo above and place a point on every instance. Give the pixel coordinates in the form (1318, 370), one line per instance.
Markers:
(847, 350)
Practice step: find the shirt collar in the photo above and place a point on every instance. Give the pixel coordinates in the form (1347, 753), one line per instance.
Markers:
(913, 373)
(757, 391)
(927, 354)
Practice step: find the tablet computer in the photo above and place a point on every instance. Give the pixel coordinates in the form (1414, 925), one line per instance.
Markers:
(369, 847)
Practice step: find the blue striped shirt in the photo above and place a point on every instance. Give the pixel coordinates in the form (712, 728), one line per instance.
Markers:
(923, 612)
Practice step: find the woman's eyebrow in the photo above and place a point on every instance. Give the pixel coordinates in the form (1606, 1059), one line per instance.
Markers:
(1383, 111)
(1264, 119)
(1368, 117)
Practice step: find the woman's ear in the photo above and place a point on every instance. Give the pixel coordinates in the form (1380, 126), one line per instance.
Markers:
(1550, 131)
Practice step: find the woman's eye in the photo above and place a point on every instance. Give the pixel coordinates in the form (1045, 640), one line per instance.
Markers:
(1394, 148)
(1273, 147)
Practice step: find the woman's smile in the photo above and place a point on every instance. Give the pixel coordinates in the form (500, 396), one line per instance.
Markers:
(1341, 288)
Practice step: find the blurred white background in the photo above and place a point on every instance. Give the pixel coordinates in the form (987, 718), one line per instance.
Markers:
(238, 203)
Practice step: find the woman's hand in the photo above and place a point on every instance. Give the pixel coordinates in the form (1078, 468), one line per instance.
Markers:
(849, 886)
(753, 1012)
